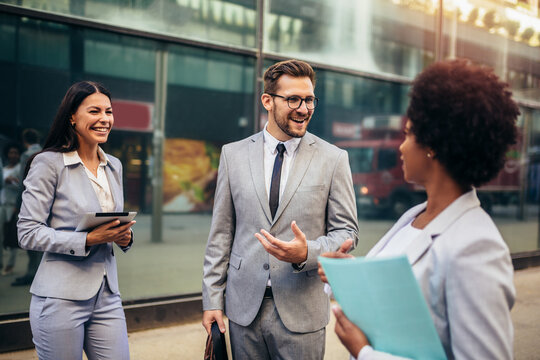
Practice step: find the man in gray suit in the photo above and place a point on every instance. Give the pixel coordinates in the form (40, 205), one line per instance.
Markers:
(283, 197)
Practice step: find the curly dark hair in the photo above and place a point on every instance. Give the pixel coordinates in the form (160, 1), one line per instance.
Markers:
(466, 115)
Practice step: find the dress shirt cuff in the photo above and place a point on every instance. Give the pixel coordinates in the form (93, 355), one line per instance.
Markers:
(128, 246)
(365, 353)
(328, 289)
(76, 246)
(299, 267)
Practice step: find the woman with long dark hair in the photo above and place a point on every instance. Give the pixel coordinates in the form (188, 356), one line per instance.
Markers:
(75, 302)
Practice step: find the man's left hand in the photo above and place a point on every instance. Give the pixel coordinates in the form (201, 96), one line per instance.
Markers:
(294, 251)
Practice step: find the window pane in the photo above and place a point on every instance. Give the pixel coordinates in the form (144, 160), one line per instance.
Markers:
(365, 117)
(504, 35)
(44, 44)
(7, 37)
(229, 22)
(210, 95)
(387, 159)
(209, 103)
(200, 68)
(119, 56)
(34, 73)
(513, 195)
(347, 103)
(361, 159)
(377, 36)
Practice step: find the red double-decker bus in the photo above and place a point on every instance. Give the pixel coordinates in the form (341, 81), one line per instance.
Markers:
(378, 175)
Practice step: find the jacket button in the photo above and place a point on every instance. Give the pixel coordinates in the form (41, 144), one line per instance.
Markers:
(72, 252)
(266, 266)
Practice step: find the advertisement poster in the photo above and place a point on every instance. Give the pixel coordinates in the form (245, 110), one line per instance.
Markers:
(189, 175)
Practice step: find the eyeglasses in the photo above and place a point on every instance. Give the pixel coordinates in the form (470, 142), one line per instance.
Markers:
(295, 102)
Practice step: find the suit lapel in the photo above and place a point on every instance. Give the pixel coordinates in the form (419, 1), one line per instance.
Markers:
(438, 225)
(303, 158)
(419, 246)
(87, 188)
(256, 166)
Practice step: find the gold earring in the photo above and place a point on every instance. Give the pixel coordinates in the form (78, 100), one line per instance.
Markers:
(428, 155)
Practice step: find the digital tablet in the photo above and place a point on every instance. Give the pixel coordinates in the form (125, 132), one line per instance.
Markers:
(91, 220)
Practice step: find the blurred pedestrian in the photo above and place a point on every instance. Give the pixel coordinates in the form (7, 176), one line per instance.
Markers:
(8, 210)
(30, 138)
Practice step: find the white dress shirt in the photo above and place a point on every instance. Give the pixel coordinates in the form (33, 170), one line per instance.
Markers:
(399, 242)
(270, 151)
(100, 183)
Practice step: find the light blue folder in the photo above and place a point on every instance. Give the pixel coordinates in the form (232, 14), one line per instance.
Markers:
(382, 297)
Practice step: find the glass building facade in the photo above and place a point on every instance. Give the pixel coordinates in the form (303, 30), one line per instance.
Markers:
(185, 76)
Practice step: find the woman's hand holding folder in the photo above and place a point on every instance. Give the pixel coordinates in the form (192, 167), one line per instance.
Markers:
(341, 253)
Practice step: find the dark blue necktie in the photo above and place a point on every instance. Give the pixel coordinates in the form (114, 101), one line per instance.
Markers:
(276, 178)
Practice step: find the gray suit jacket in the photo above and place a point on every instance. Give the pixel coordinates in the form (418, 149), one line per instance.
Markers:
(465, 272)
(55, 198)
(319, 195)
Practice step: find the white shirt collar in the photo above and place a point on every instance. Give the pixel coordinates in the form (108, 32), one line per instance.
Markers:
(271, 142)
(72, 158)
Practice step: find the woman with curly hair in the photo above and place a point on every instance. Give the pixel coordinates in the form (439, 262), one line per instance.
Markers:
(461, 124)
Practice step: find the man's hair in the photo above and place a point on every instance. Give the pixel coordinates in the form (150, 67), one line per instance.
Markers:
(30, 136)
(294, 68)
(9, 146)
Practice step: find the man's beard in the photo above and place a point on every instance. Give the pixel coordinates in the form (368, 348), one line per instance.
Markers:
(284, 126)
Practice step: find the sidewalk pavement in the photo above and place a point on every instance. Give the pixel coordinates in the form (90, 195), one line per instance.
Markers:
(187, 341)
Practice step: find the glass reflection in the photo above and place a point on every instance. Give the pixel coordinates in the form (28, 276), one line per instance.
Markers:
(378, 36)
(502, 34)
(210, 100)
(231, 22)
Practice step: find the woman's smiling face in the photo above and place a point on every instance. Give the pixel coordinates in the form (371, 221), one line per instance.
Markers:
(94, 119)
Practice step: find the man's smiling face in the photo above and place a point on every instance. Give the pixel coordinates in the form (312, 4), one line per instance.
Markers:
(285, 123)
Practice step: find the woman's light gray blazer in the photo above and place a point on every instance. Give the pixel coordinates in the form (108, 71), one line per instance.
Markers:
(465, 272)
(56, 195)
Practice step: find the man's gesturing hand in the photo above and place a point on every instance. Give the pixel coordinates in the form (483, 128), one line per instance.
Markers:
(294, 251)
